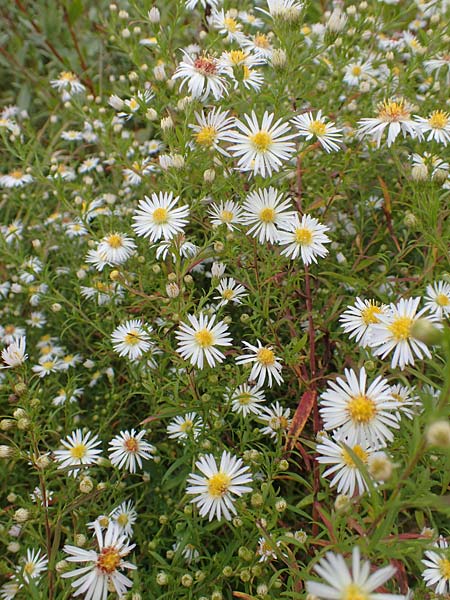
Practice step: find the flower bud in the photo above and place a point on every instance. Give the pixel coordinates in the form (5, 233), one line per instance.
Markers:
(21, 515)
(186, 580)
(154, 16)
(86, 485)
(172, 290)
(424, 331)
(162, 578)
(6, 451)
(438, 434)
(342, 503)
(380, 466)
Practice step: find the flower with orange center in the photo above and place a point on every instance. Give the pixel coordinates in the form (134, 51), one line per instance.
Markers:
(128, 449)
(395, 116)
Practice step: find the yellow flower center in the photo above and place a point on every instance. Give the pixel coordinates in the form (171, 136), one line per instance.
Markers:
(131, 444)
(277, 423)
(160, 215)
(48, 364)
(306, 30)
(132, 338)
(9, 329)
(442, 300)
(218, 485)
(186, 426)
(133, 104)
(360, 453)
(261, 141)
(29, 568)
(393, 110)
(261, 41)
(237, 56)
(444, 568)
(103, 521)
(354, 592)
(228, 294)
(204, 338)
(361, 409)
(438, 119)
(230, 24)
(226, 216)
(67, 76)
(356, 70)
(401, 328)
(265, 356)
(318, 128)
(114, 240)
(123, 519)
(267, 215)
(397, 397)
(368, 315)
(78, 451)
(303, 236)
(17, 174)
(244, 399)
(206, 136)
(108, 560)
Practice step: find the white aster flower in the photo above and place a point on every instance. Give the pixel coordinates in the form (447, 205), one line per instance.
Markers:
(46, 366)
(198, 341)
(159, 217)
(131, 339)
(265, 363)
(327, 133)
(227, 213)
(101, 569)
(265, 209)
(358, 319)
(215, 489)
(357, 584)
(80, 451)
(16, 178)
(242, 64)
(14, 355)
(437, 299)
(442, 61)
(210, 129)
(437, 573)
(360, 415)
(408, 405)
(358, 71)
(437, 125)
(229, 290)
(68, 84)
(305, 238)
(395, 115)
(125, 516)
(345, 471)
(185, 427)
(32, 565)
(116, 248)
(204, 75)
(260, 45)
(265, 549)
(227, 25)
(276, 419)
(246, 399)
(127, 450)
(263, 148)
(393, 334)
(288, 10)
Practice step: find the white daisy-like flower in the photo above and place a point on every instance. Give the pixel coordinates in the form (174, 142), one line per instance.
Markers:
(210, 129)
(10, 333)
(46, 366)
(442, 61)
(407, 404)
(393, 333)
(437, 299)
(437, 125)
(358, 414)
(437, 573)
(128, 448)
(101, 569)
(185, 427)
(68, 84)
(159, 217)
(395, 115)
(263, 148)
(227, 25)
(342, 583)
(289, 10)
(125, 515)
(260, 44)
(14, 355)
(116, 248)
(305, 238)
(216, 488)
(310, 126)
(265, 210)
(204, 75)
(81, 450)
(265, 549)
(358, 71)
(32, 565)
(131, 339)
(246, 399)
(345, 471)
(199, 340)
(16, 178)
(265, 363)
(227, 213)
(242, 64)
(229, 290)
(276, 419)
(358, 319)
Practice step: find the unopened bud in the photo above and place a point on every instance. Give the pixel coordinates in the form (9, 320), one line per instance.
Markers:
(424, 331)
(438, 434)
(380, 466)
